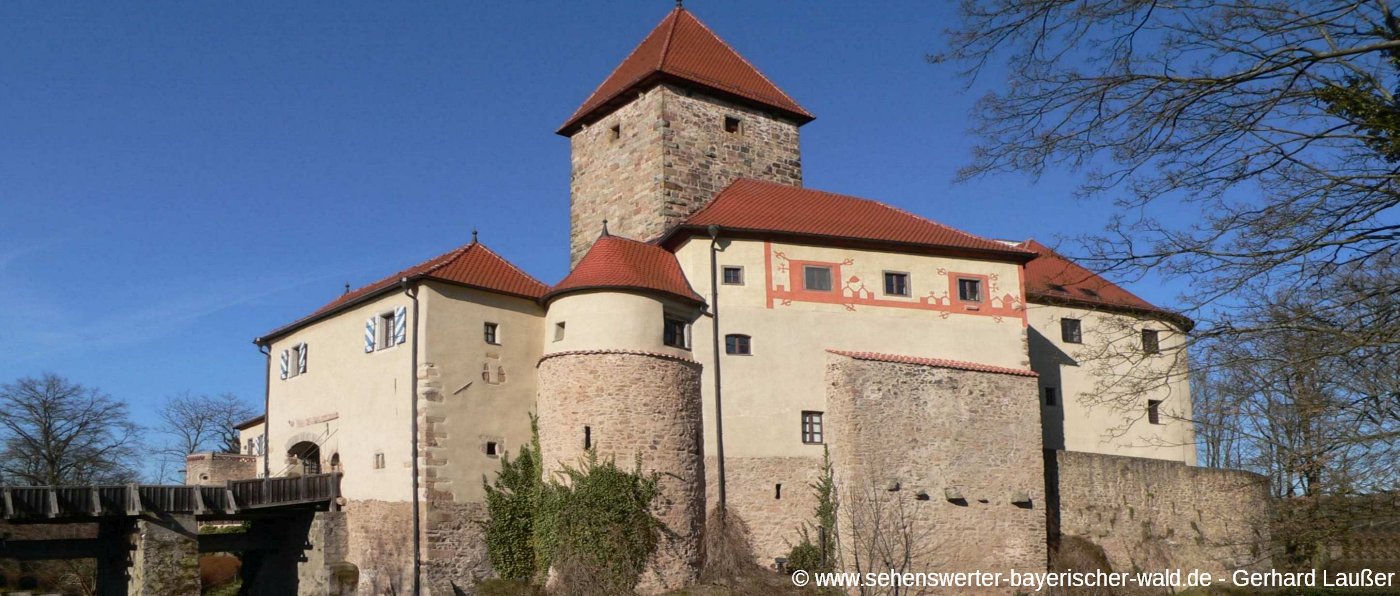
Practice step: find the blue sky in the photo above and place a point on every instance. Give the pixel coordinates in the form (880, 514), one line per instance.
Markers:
(178, 178)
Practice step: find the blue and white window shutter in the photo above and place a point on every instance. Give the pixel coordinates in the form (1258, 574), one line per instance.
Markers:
(369, 334)
(285, 356)
(400, 325)
(301, 360)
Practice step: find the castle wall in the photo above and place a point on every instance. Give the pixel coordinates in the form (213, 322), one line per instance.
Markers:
(351, 403)
(1153, 514)
(907, 440)
(379, 542)
(1104, 383)
(775, 516)
(634, 403)
(472, 393)
(218, 468)
(670, 156)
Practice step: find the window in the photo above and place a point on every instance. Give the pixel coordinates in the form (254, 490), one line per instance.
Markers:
(248, 449)
(817, 279)
(738, 345)
(731, 124)
(1149, 342)
(674, 333)
(1154, 411)
(489, 330)
(733, 276)
(559, 331)
(1069, 331)
(379, 460)
(778, 491)
(896, 284)
(386, 331)
(812, 428)
(969, 290)
(1050, 398)
(296, 360)
(616, 132)
(587, 437)
(493, 449)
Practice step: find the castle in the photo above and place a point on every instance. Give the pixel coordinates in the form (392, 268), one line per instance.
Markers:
(938, 367)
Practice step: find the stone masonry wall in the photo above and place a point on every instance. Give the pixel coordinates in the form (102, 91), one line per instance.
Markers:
(670, 155)
(218, 468)
(634, 403)
(380, 545)
(1156, 514)
(454, 546)
(955, 453)
(775, 519)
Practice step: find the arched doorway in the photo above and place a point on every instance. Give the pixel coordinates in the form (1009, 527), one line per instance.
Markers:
(305, 458)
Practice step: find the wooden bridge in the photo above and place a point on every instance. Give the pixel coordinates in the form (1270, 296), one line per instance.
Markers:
(145, 538)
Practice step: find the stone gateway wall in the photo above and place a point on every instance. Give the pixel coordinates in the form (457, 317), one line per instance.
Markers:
(630, 404)
(775, 518)
(1156, 514)
(953, 455)
(380, 545)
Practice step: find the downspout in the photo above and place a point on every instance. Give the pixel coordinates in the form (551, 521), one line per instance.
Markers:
(267, 402)
(714, 321)
(412, 292)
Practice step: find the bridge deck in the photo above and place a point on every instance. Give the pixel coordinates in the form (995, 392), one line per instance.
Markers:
(88, 503)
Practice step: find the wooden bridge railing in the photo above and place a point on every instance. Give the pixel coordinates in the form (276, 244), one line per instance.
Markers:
(49, 502)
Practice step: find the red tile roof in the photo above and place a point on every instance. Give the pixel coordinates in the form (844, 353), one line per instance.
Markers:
(615, 262)
(1051, 277)
(682, 47)
(472, 265)
(758, 206)
(938, 362)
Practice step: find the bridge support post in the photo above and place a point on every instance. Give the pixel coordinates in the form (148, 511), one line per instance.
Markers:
(113, 557)
(166, 558)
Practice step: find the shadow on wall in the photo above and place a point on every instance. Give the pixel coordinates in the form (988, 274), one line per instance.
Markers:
(1046, 360)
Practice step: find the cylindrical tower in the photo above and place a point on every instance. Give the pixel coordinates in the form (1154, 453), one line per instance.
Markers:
(617, 377)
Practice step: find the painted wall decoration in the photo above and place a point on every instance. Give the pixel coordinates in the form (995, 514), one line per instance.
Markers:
(787, 283)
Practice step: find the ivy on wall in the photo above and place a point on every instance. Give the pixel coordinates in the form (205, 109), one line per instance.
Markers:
(591, 523)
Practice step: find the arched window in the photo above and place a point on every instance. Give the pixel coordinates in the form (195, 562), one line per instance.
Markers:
(739, 345)
(306, 457)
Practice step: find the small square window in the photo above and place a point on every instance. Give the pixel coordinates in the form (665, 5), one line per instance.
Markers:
(489, 331)
(379, 461)
(674, 332)
(817, 279)
(1070, 331)
(493, 449)
(1149, 342)
(731, 124)
(559, 331)
(1051, 397)
(738, 345)
(896, 284)
(969, 290)
(733, 276)
(616, 132)
(1154, 411)
(294, 367)
(812, 428)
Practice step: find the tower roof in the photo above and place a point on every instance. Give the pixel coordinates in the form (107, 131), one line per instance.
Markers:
(1052, 277)
(767, 208)
(681, 48)
(472, 265)
(615, 262)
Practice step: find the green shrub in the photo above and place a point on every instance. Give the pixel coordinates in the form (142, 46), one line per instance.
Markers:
(805, 556)
(511, 503)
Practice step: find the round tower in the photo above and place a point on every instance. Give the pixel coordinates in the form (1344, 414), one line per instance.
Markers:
(617, 377)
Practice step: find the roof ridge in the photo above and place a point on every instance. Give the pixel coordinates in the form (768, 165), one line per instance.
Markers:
(674, 16)
(510, 264)
(630, 82)
(953, 229)
(706, 29)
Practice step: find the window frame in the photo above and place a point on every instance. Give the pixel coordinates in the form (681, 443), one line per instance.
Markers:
(977, 283)
(830, 278)
(738, 124)
(491, 333)
(669, 322)
(1078, 336)
(1155, 345)
(384, 331)
(813, 428)
(908, 289)
(294, 361)
(724, 275)
(1154, 412)
(559, 330)
(747, 344)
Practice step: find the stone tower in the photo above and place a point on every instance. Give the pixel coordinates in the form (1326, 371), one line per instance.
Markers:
(681, 117)
(617, 378)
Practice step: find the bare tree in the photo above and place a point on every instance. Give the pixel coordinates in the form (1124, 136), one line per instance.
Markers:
(1274, 120)
(54, 431)
(885, 531)
(194, 423)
